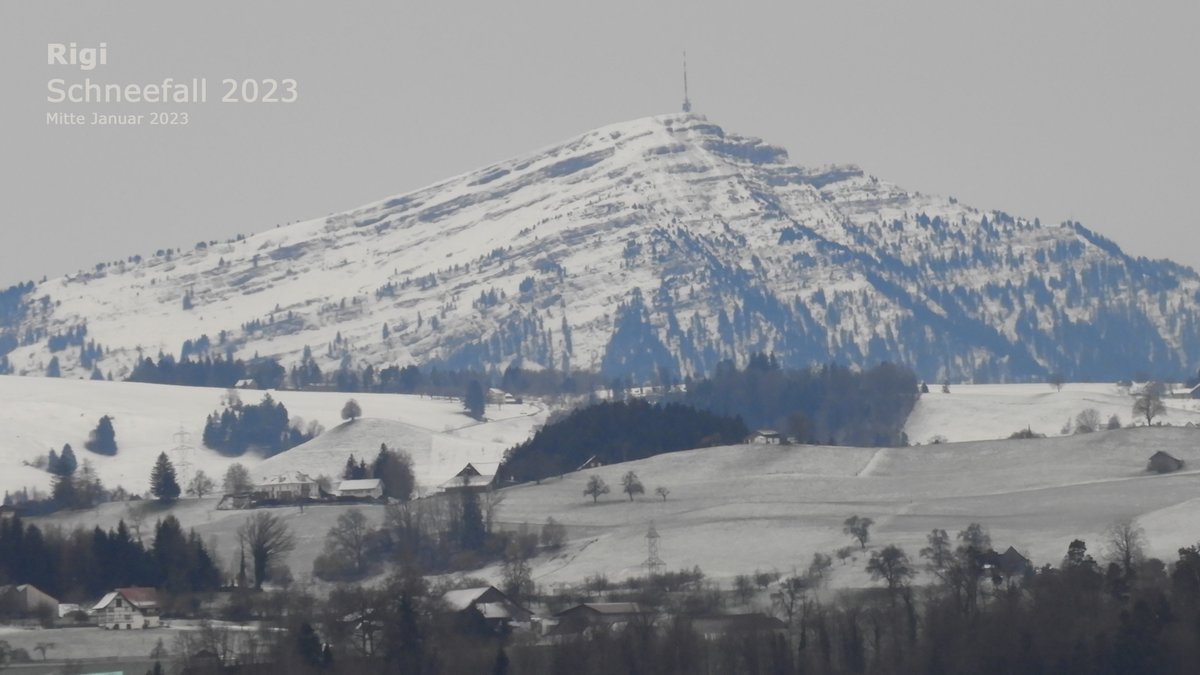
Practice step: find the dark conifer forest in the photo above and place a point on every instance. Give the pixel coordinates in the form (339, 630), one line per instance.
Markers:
(619, 431)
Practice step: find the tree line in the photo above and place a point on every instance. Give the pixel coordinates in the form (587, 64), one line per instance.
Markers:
(617, 431)
(82, 565)
(831, 405)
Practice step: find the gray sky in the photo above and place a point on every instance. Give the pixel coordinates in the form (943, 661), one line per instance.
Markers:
(1050, 109)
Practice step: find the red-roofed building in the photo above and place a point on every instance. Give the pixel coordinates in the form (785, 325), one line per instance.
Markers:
(127, 609)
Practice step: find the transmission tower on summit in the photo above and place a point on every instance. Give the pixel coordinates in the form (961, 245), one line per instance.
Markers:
(654, 564)
(687, 103)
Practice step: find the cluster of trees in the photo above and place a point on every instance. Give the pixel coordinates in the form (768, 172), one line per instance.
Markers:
(207, 371)
(617, 431)
(73, 487)
(831, 404)
(264, 427)
(81, 565)
(631, 486)
(452, 531)
(393, 468)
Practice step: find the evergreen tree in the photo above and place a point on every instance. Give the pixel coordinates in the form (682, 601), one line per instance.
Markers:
(66, 461)
(163, 484)
(394, 470)
(53, 369)
(474, 401)
(103, 439)
(471, 528)
(62, 491)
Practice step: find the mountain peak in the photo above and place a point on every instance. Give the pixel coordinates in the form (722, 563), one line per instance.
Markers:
(664, 244)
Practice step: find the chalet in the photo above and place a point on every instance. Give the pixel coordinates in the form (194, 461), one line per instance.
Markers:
(497, 609)
(128, 609)
(581, 617)
(287, 486)
(475, 477)
(716, 626)
(1162, 462)
(365, 488)
(766, 437)
(26, 600)
(591, 463)
(500, 397)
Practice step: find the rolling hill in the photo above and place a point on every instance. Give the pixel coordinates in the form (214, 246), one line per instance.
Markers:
(38, 414)
(735, 509)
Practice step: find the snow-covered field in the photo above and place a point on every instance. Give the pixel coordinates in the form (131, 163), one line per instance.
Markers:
(730, 510)
(735, 509)
(984, 411)
(37, 414)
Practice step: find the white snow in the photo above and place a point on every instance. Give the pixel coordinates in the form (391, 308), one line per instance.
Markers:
(38, 414)
(985, 411)
(732, 510)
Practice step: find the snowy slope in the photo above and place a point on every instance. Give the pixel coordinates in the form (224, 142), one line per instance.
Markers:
(981, 412)
(38, 414)
(664, 241)
(436, 456)
(736, 509)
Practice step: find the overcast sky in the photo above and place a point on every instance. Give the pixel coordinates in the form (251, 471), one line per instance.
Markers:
(1059, 110)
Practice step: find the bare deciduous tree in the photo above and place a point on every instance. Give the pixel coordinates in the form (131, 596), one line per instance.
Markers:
(1087, 421)
(859, 528)
(938, 551)
(266, 537)
(892, 566)
(595, 487)
(200, 485)
(237, 479)
(631, 486)
(347, 542)
(1149, 403)
(1125, 545)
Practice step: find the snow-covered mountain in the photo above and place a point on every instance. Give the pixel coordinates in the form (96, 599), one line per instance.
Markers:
(661, 243)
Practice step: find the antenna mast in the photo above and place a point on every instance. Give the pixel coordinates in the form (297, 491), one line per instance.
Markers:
(687, 104)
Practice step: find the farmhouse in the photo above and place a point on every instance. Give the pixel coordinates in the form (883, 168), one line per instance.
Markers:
(500, 397)
(367, 488)
(766, 437)
(497, 609)
(476, 477)
(127, 609)
(581, 617)
(1162, 462)
(287, 487)
(26, 600)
